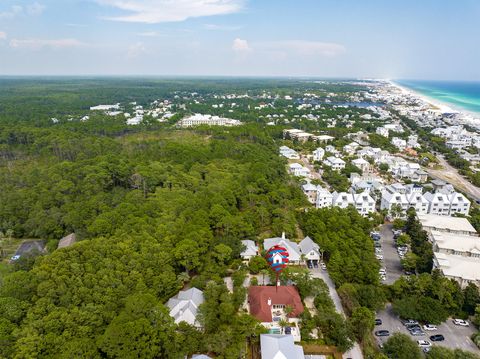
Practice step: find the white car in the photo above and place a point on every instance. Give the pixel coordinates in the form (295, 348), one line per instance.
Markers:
(379, 257)
(424, 343)
(429, 327)
(382, 271)
(323, 266)
(461, 322)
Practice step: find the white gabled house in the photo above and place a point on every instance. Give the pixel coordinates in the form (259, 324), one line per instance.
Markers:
(184, 306)
(337, 164)
(458, 204)
(438, 203)
(310, 250)
(364, 203)
(250, 251)
(318, 154)
(291, 247)
(324, 198)
(342, 199)
(362, 164)
(298, 170)
(289, 153)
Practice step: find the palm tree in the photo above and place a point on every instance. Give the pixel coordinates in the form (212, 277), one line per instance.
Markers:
(283, 323)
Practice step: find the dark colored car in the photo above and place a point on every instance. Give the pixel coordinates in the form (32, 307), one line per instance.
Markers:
(288, 330)
(382, 333)
(437, 338)
(378, 321)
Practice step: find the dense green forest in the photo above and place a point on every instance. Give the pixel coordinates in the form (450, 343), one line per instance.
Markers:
(154, 209)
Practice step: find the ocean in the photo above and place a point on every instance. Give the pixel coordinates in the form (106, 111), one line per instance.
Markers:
(460, 96)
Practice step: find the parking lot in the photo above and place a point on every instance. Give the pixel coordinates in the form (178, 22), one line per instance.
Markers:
(456, 337)
(391, 260)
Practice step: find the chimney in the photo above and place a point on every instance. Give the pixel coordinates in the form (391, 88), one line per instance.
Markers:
(283, 235)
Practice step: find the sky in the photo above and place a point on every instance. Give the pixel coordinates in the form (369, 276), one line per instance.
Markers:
(396, 39)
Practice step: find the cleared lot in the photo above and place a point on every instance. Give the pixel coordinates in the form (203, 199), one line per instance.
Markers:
(391, 260)
(456, 337)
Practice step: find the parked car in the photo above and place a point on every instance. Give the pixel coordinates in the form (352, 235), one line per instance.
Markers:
(379, 257)
(382, 333)
(429, 327)
(424, 343)
(378, 321)
(315, 264)
(412, 327)
(409, 322)
(417, 333)
(323, 266)
(288, 330)
(15, 257)
(377, 245)
(461, 322)
(437, 338)
(309, 265)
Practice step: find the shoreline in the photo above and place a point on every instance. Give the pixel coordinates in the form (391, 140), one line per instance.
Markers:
(468, 116)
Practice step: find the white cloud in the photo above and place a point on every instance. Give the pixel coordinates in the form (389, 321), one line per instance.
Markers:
(156, 11)
(241, 46)
(136, 50)
(35, 9)
(35, 44)
(3, 35)
(149, 34)
(222, 27)
(305, 48)
(12, 12)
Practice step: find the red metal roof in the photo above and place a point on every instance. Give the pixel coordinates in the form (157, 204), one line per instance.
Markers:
(258, 297)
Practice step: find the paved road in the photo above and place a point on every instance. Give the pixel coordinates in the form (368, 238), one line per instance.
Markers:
(455, 336)
(451, 175)
(355, 352)
(391, 260)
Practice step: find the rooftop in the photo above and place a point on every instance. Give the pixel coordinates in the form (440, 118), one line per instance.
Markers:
(443, 223)
(263, 298)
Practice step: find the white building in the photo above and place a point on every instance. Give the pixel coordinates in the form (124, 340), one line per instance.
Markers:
(199, 119)
(362, 164)
(324, 198)
(399, 143)
(295, 255)
(318, 154)
(364, 203)
(337, 164)
(310, 250)
(350, 148)
(342, 199)
(277, 346)
(184, 306)
(250, 251)
(289, 153)
(382, 131)
(298, 170)
(431, 222)
(462, 269)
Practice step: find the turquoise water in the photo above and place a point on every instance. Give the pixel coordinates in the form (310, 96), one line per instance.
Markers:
(458, 95)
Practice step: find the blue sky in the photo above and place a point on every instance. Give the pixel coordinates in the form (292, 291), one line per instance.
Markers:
(427, 39)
